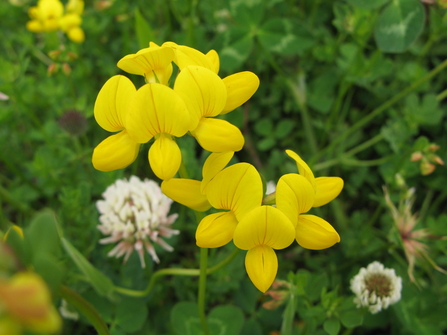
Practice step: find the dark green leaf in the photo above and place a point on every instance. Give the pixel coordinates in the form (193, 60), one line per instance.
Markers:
(399, 25)
(367, 4)
(131, 314)
(143, 30)
(331, 326)
(352, 318)
(226, 320)
(101, 283)
(185, 319)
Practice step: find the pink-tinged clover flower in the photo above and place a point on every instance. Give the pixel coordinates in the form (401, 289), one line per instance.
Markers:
(135, 214)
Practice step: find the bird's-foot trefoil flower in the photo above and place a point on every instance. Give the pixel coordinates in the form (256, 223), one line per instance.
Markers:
(111, 109)
(262, 230)
(157, 111)
(376, 287)
(135, 213)
(237, 189)
(192, 193)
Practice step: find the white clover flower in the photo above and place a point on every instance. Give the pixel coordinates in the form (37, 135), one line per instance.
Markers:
(376, 287)
(135, 214)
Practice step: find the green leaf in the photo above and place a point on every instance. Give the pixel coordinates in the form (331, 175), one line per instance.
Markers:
(226, 320)
(42, 234)
(351, 318)
(399, 25)
(367, 4)
(264, 127)
(425, 112)
(143, 30)
(288, 317)
(185, 319)
(331, 326)
(266, 144)
(101, 283)
(284, 128)
(281, 36)
(233, 55)
(131, 314)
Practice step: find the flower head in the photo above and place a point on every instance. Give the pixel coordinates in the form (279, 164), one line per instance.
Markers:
(135, 214)
(26, 304)
(376, 287)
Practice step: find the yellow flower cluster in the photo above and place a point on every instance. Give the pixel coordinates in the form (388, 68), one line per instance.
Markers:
(157, 111)
(252, 226)
(49, 15)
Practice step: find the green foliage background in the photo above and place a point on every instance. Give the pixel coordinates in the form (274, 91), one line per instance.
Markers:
(346, 84)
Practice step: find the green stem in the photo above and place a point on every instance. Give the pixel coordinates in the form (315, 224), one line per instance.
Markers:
(383, 107)
(85, 308)
(202, 289)
(175, 272)
(299, 94)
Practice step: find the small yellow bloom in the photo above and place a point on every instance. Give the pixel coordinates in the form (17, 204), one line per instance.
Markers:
(45, 16)
(26, 302)
(260, 231)
(157, 111)
(238, 189)
(154, 63)
(111, 109)
(191, 193)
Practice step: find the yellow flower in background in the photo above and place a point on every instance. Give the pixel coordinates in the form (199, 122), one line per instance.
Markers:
(154, 63)
(191, 193)
(158, 112)
(111, 109)
(49, 15)
(260, 231)
(45, 16)
(237, 189)
(26, 305)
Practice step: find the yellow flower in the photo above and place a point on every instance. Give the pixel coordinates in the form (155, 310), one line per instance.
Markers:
(45, 16)
(75, 6)
(156, 111)
(260, 231)
(191, 193)
(238, 189)
(69, 24)
(154, 63)
(26, 303)
(297, 194)
(111, 109)
(326, 188)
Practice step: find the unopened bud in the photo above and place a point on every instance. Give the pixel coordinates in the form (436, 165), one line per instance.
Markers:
(103, 4)
(427, 167)
(433, 147)
(400, 181)
(66, 69)
(71, 56)
(416, 156)
(437, 159)
(54, 55)
(52, 69)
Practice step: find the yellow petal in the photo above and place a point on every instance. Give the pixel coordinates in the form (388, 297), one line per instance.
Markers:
(312, 232)
(112, 103)
(156, 109)
(261, 264)
(213, 56)
(213, 165)
(265, 225)
(202, 90)
(218, 135)
(328, 188)
(153, 62)
(186, 56)
(303, 168)
(237, 188)
(294, 196)
(115, 152)
(186, 192)
(240, 87)
(76, 34)
(165, 157)
(216, 230)
(34, 26)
